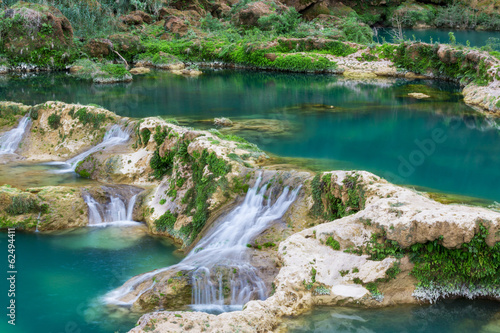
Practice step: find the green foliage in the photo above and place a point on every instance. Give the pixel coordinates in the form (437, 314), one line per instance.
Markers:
(281, 23)
(54, 121)
(474, 263)
(87, 117)
(356, 32)
(23, 204)
(421, 58)
(333, 243)
(162, 165)
(160, 135)
(145, 136)
(162, 201)
(197, 198)
(8, 114)
(332, 207)
(379, 247)
(166, 222)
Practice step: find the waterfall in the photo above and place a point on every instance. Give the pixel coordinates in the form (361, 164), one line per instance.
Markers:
(114, 136)
(114, 212)
(9, 141)
(222, 277)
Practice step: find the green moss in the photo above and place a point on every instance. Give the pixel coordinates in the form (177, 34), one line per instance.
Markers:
(87, 117)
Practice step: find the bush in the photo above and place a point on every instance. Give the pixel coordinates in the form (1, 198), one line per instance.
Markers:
(333, 243)
(281, 23)
(54, 121)
(166, 222)
(355, 31)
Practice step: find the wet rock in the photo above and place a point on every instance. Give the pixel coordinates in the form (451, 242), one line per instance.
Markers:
(418, 95)
(187, 72)
(357, 74)
(223, 122)
(139, 70)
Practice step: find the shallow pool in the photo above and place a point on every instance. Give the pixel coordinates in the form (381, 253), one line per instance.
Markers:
(62, 276)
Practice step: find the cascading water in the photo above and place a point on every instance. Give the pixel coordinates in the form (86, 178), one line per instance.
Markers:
(222, 257)
(115, 212)
(9, 141)
(114, 136)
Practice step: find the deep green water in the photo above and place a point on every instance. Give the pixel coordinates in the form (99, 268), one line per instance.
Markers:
(374, 126)
(61, 277)
(475, 38)
(452, 316)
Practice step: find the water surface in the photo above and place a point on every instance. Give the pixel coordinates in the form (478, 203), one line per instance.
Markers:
(346, 124)
(452, 316)
(475, 38)
(62, 276)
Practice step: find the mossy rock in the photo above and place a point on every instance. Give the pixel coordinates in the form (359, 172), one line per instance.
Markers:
(36, 34)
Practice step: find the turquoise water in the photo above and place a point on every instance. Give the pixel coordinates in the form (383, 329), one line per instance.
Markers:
(373, 126)
(475, 38)
(61, 277)
(453, 316)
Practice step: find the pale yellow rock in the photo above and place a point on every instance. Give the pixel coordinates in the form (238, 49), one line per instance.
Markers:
(411, 75)
(418, 95)
(75, 69)
(139, 70)
(358, 74)
(186, 72)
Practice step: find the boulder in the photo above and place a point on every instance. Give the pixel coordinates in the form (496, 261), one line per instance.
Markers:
(139, 70)
(136, 18)
(250, 15)
(418, 95)
(176, 25)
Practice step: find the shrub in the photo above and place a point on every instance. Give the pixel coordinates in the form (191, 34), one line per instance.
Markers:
(166, 222)
(54, 121)
(333, 243)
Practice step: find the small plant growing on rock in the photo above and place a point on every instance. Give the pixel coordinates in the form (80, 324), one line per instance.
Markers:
(333, 243)
(54, 121)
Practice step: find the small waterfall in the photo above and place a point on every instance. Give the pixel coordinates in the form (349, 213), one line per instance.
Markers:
(222, 277)
(114, 136)
(9, 141)
(114, 212)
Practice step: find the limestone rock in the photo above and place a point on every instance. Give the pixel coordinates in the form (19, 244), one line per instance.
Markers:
(186, 72)
(356, 74)
(223, 122)
(139, 70)
(418, 95)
